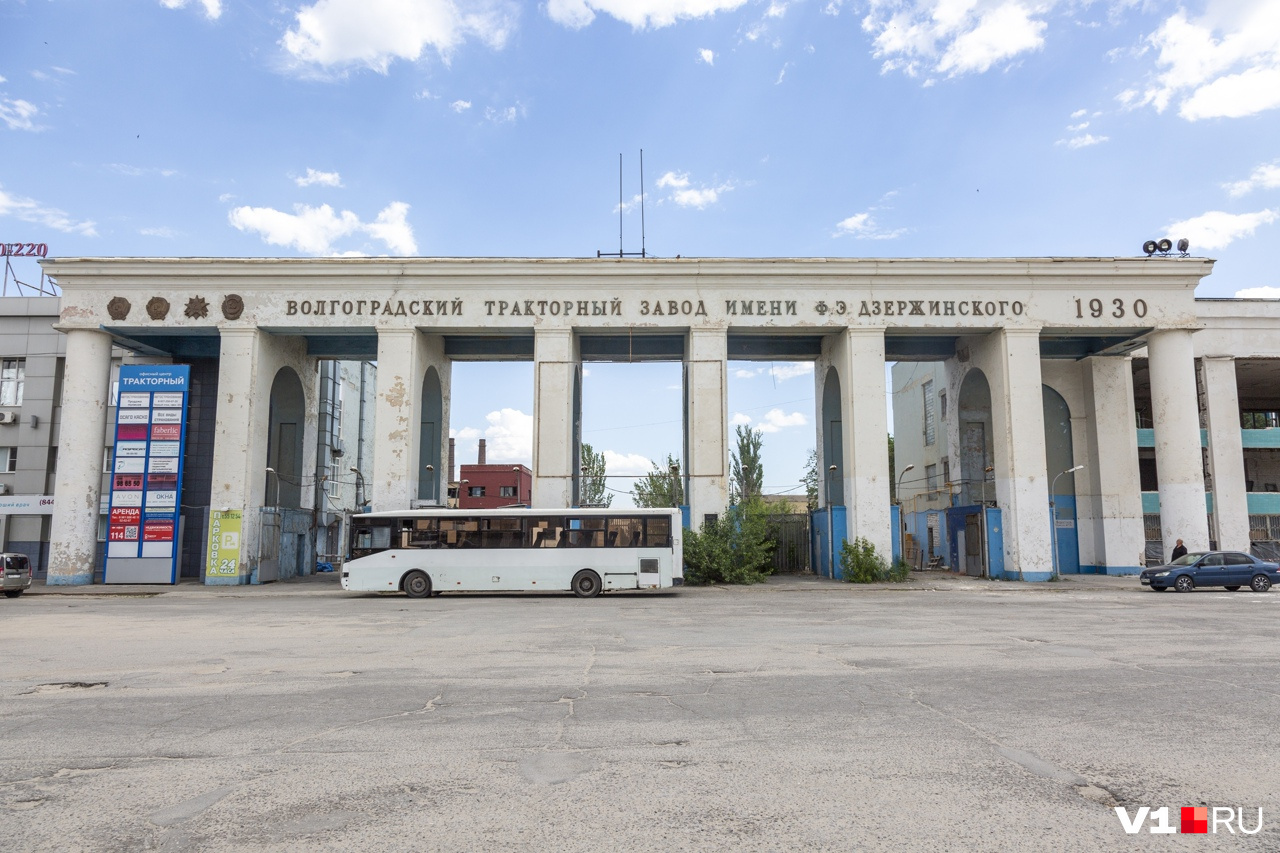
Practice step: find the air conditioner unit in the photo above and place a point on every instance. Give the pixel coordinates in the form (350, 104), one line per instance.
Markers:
(8, 417)
(4, 488)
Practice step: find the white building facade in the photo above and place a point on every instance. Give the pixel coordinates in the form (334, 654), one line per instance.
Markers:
(1020, 323)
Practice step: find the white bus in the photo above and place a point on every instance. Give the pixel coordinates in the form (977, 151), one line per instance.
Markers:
(588, 551)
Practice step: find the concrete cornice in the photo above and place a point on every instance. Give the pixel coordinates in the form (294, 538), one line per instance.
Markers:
(112, 272)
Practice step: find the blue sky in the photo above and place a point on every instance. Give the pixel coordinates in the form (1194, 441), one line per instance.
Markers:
(492, 128)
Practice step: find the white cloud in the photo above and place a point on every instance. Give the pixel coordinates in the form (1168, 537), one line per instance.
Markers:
(1266, 176)
(1084, 140)
(1258, 293)
(313, 178)
(685, 194)
(315, 229)
(640, 14)
(780, 372)
(739, 419)
(506, 115)
(1079, 113)
(374, 33)
(776, 9)
(1217, 230)
(17, 114)
(509, 436)
(707, 56)
(460, 106)
(953, 37)
(139, 172)
(163, 231)
(212, 8)
(1222, 64)
(775, 420)
(30, 210)
(626, 464)
(864, 227)
(465, 434)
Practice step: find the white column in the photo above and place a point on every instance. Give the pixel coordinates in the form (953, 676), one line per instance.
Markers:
(86, 385)
(403, 355)
(706, 414)
(1113, 465)
(1011, 359)
(1226, 452)
(1179, 459)
(248, 361)
(860, 359)
(557, 366)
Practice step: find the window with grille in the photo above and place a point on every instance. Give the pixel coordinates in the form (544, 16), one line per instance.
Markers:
(930, 424)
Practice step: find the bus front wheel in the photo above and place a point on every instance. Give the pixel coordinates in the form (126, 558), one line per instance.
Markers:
(586, 584)
(417, 585)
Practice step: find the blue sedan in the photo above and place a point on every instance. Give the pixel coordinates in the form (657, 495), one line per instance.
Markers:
(1230, 569)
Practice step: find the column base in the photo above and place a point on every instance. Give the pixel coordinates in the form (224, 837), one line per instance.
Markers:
(77, 579)
(227, 580)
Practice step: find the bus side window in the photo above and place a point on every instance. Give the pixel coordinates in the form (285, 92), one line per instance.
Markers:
(364, 538)
(381, 538)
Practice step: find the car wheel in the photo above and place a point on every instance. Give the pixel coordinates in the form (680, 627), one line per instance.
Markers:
(1159, 588)
(417, 585)
(1260, 583)
(1231, 588)
(586, 584)
(1184, 583)
(14, 593)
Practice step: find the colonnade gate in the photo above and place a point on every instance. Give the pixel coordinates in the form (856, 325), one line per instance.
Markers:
(260, 321)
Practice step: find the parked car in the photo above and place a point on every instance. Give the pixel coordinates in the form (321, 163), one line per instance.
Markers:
(16, 572)
(1230, 569)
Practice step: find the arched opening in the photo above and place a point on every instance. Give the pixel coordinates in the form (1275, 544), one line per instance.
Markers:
(1059, 457)
(832, 482)
(977, 447)
(287, 422)
(430, 441)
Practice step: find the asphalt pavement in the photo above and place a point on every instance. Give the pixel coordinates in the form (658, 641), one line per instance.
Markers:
(945, 714)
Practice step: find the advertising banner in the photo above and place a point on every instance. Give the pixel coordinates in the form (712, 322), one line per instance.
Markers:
(146, 482)
(224, 543)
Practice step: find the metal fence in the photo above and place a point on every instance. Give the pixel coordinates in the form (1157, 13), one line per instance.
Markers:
(790, 534)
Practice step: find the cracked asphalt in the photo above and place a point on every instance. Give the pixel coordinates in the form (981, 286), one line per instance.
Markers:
(800, 715)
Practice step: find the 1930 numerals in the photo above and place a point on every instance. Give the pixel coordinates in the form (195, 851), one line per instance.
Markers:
(1116, 308)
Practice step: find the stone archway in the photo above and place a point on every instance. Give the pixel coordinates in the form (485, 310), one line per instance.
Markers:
(286, 428)
(429, 438)
(831, 484)
(1060, 456)
(977, 446)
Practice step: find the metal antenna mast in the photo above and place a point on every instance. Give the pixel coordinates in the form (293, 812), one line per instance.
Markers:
(622, 253)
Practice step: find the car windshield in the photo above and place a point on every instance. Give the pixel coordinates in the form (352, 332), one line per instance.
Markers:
(1188, 558)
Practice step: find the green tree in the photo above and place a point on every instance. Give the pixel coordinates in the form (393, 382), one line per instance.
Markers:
(810, 479)
(662, 486)
(593, 491)
(746, 470)
(734, 547)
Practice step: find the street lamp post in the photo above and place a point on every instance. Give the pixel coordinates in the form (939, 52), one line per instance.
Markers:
(276, 502)
(902, 519)
(1053, 515)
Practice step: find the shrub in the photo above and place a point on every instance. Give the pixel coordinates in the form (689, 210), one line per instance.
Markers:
(734, 548)
(859, 563)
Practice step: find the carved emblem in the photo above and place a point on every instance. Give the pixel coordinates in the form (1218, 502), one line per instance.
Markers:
(197, 308)
(118, 308)
(232, 307)
(157, 308)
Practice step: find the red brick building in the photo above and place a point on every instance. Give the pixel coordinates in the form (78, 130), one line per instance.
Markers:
(484, 486)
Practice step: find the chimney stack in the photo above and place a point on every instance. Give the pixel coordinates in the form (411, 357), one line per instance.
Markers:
(452, 479)
(480, 453)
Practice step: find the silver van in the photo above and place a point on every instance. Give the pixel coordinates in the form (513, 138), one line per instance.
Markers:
(16, 574)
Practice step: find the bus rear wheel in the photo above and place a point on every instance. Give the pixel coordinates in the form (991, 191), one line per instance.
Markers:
(586, 584)
(417, 585)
